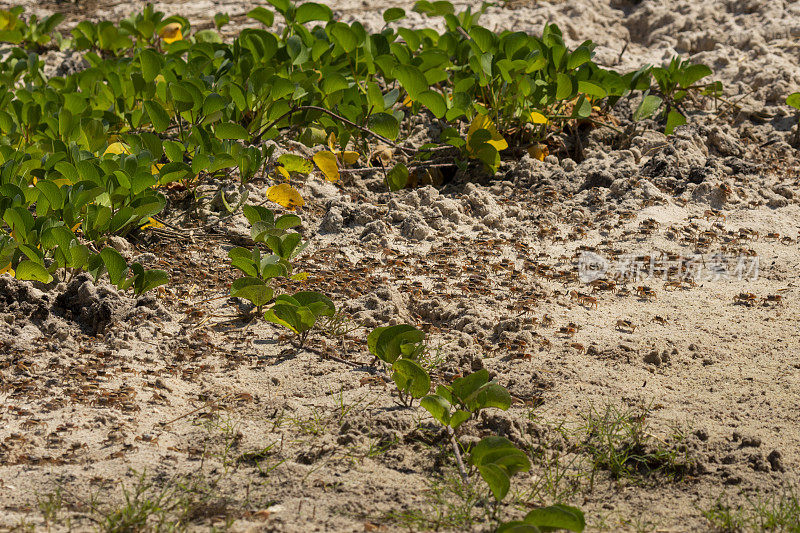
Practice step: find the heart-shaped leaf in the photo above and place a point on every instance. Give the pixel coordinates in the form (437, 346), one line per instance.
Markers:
(285, 195)
(557, 517)
(327, 163)
(251, 289)
(28, 270)
(411, 378)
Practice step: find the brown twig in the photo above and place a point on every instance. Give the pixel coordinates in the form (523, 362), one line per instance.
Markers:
(457, 453)
(193, 411)
(340, 118)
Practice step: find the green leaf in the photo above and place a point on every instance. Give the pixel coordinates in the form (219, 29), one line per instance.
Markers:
(592, 89)
(288, 221)
(439, 8)
(497, 479)
(213, 103)
(489, 155)
(49, 24)
(287, 246)
(263, 15)
(175, 171)
(794, 100)
(28, 270)
(438, 407)
(158, 117)
(242, 259)
(411, 378)
(151, 64)
(296, 163)
(674, 119)
(557, 517)
(297, 319)
(459, 417)
(372, 339)
(11, 36)
(577, 58)
(257, 213)
(252, 289)
(230, 130)
(583, 108)
(208, 36)
(115, 265)
(433, 101)
(393, 13)
(563, 86)
(649, 104)
(94, 133)
(494, 395)
(153, 144)
(174, 150)
(52, 192)
(501, 452)
(297, 50)
(483, 38)
(397, 177)
(148, 280)
(691, 74)
(334, 81)
(470, 384)
(312, 11)
(412, 80)
(393, 341)
(281, 5)
(385, 124)
(221, 19)
(317, 302)
(281, 88)
(344, 36)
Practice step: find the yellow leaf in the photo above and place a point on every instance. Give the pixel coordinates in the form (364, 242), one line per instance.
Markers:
(285, 195)
(155, 168)
(76, 226)
(300, 276)
(326, 161)
(482, 122)
(332, 141)
(538, 118)
(7, 269)
(117, 148)
(282, 171)
(407, 101)
(152, 223)
(171, 32)
(538, 151)
(347, 157)
(7, 20)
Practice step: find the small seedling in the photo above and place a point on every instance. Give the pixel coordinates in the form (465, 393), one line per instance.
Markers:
(300, 312)
(401, 346)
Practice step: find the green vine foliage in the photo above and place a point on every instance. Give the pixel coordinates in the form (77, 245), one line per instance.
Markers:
(494, 458)
(87, 155)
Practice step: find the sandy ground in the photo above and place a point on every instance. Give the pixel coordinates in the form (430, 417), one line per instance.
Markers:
(104, 398)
